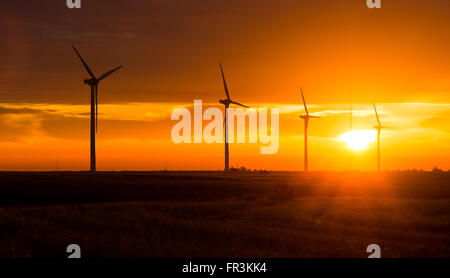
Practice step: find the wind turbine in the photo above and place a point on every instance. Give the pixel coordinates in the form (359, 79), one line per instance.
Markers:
(227, 103)
(306, 119)
(378, 128)
(350, 153)
(93, 82)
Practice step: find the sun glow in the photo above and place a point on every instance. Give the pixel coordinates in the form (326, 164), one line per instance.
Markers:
(358, 139)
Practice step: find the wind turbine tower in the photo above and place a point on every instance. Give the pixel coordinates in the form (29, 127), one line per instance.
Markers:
(306, 119)
(93, 83)
(226, 102)
(378, 127)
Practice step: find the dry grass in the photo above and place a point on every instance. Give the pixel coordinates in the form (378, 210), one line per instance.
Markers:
(213, 215)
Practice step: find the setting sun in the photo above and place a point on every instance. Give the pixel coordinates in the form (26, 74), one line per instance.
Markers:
(358, 139)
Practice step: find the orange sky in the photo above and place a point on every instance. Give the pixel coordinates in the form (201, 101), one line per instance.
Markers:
(396, 56)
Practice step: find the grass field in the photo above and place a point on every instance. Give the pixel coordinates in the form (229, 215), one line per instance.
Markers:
(210, 214)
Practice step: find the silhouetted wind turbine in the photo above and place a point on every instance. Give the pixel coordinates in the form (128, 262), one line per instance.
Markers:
(227, 103)
(306, 119)
(350, 153)
(93, 82)
(378, 128)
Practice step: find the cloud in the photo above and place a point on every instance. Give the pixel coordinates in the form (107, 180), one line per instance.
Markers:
(15, 128)
(18, 123)
(73, 128)
(6, 110)
(440, 121)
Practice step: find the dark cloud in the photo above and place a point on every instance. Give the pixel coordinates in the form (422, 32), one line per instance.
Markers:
(171, 48)
(24, 110)
(74, 128)
(5, 110)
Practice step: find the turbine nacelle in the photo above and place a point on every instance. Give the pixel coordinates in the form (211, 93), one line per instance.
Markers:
(307, 117)
(225, 102)
(91, 82)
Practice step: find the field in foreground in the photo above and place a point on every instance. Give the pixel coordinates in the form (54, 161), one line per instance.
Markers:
(210, 214)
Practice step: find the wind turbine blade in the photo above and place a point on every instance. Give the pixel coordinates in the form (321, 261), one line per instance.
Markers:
(84, 63)
(106, 74)
(224, 81)
(304, 102)
(376, 113)
(237, 103)
(96, 108)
